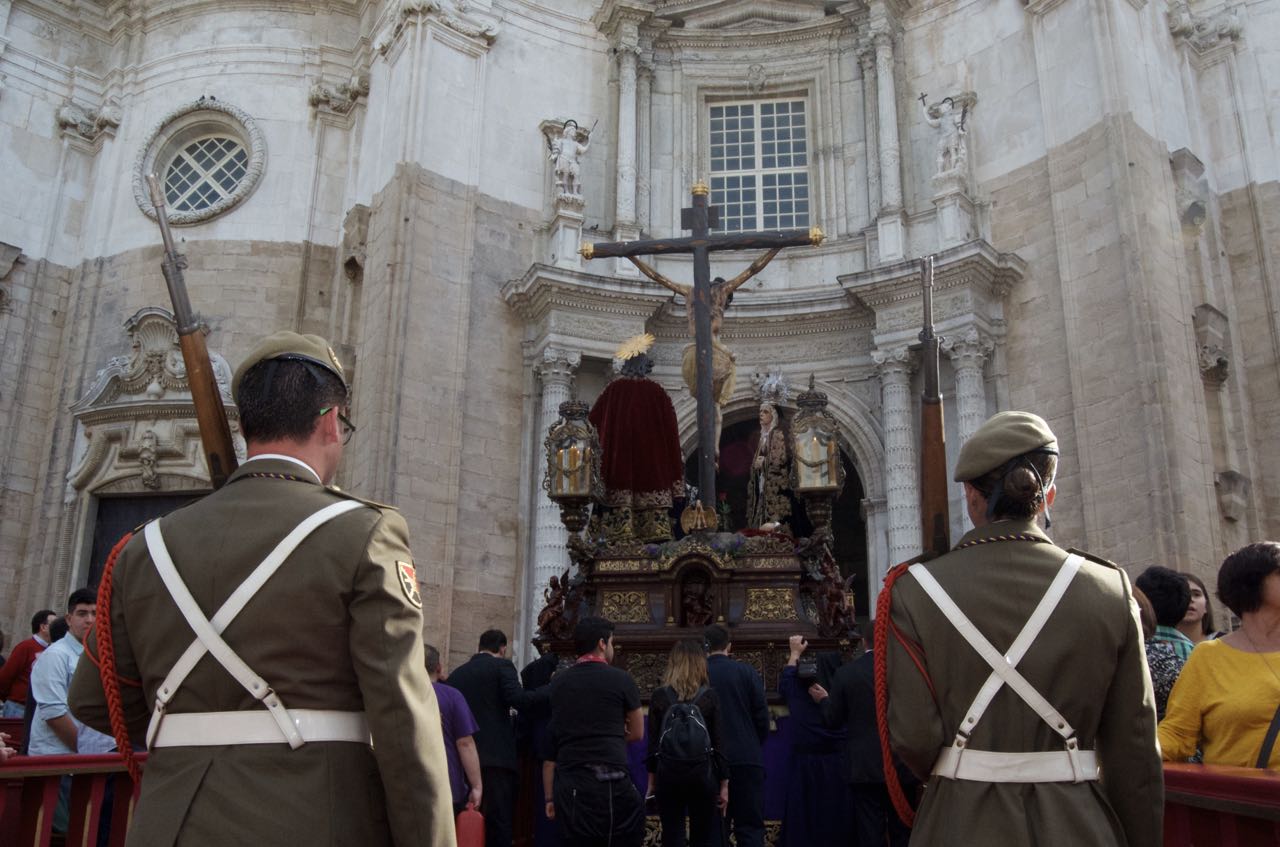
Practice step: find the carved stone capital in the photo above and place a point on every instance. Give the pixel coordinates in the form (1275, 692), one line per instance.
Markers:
(895, 365)
(1203, 32)
(970, 350)
(338, 98)
(1215, 365)
(456, 15)
(89, 123)
(558, 366)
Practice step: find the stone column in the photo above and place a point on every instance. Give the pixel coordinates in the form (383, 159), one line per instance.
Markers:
(644, 105)
(551, 557)
(891, 225)
(867, 60)
(625, 216)
(969, 354)
(902, 486)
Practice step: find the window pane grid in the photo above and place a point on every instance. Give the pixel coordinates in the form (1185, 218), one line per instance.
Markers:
(205, 172)
(759, 164)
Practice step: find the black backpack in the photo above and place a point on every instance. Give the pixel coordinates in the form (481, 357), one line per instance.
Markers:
(684, 746)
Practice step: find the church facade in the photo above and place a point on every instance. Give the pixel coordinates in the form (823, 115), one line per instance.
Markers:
(1098, 181)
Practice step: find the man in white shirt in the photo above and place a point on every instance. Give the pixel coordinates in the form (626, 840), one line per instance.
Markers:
(55, 731)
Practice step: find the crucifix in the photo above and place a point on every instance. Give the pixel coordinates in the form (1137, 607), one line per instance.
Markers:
(706, 300)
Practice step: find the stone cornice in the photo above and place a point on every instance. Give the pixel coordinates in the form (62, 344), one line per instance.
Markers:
(821, 30)
(544, 288)
(969, 264)
(770, 315)
(455, 15)
(620, 20)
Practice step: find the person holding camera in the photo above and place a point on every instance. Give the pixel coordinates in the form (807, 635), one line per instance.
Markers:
(818, 803)
(687, 771)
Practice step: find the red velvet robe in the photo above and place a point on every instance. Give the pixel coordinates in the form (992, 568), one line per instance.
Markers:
(641, 460)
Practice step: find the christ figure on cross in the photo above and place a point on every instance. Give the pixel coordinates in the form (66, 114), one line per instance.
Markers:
(707, 301)
(723, 363)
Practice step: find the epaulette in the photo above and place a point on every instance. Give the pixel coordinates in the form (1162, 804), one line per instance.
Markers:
(1098, 560)
(347, 495)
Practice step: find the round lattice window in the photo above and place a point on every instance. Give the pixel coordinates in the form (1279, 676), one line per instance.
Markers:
(209, 157)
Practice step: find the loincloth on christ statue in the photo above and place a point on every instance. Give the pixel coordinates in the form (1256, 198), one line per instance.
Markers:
(724, 371)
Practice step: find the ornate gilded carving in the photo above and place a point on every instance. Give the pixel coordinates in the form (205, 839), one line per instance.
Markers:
(647, 669)
(625, 606)
(770, 604)
(624, 565)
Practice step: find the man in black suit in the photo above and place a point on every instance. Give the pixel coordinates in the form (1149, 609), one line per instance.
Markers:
(851, 703)
(492, 689)
(744, 724)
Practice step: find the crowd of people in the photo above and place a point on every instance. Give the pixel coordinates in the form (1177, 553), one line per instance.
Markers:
(1057, 746)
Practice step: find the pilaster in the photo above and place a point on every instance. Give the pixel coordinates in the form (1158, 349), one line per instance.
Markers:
(555, 371)
(895, 367)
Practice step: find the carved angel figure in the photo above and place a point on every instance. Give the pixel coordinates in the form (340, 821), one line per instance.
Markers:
(566, 153)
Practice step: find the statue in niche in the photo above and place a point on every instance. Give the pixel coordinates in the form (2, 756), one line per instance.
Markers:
(695, 601)
(952, 151)
(768, 503)
(565, 152)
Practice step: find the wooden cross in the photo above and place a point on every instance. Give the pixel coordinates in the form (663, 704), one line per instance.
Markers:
(701, 219)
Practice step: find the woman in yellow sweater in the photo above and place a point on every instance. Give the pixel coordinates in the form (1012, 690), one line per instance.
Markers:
(1228, 695)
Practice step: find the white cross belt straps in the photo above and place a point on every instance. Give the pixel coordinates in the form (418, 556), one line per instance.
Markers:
(208, 633)
(1071, 765)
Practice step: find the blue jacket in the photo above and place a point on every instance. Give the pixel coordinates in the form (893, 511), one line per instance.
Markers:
(744, 716)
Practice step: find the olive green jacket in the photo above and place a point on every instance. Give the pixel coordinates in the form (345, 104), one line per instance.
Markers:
(334, 628)
(1088, 662)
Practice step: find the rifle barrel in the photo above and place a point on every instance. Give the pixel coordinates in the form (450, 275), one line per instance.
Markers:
(935, 516)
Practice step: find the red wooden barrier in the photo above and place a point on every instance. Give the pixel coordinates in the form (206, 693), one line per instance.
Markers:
(1220, 806)
(13, 727)
(29, 795)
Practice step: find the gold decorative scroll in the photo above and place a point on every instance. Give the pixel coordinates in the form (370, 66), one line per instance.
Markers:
(625, 606)
(770, 604)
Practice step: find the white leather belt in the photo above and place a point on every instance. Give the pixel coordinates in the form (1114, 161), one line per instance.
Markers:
(216, 729)
(987, 766)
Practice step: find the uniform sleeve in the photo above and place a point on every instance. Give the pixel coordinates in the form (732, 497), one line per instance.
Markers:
(1132, 774)
(86, 698)
(1179, 732)
(915, 723)
(400, 704)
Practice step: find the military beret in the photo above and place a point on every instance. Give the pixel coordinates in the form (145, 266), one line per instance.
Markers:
(292, 347)
(1004, 436)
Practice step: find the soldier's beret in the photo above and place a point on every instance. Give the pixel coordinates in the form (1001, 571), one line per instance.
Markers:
(1004, 436)
(290, 346)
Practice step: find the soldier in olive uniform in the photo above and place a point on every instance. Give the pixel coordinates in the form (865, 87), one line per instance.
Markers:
(308, 717)
(1016, 672)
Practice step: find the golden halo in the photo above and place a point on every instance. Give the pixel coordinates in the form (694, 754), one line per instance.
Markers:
(634, 346)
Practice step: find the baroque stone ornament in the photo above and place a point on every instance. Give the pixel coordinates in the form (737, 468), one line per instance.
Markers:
(338, 98)
(1204, 32)
(89, 123)
(453, 14)
(197, 116)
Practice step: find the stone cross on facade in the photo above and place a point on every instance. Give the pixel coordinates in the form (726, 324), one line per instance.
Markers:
(700, 219)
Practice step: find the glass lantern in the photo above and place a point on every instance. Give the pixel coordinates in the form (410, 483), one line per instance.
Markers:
(573, 456)
(815, 446)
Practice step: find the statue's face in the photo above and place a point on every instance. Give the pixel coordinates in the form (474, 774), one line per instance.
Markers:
(766, 417)
(946, 106)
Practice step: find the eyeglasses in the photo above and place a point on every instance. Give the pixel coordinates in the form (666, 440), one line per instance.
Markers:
(348, 428)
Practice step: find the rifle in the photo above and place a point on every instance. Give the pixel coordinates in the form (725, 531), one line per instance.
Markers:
(211, 416)
(935, 519)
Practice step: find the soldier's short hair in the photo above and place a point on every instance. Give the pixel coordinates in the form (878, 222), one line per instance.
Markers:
(492, 640)
(589, 632)
(1168, 591)
(282, 399)
(1242, 573)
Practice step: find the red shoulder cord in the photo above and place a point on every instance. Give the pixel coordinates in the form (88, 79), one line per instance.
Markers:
(883, 627)
(106, 662)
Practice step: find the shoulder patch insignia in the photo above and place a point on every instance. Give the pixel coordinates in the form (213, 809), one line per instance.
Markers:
(409, 583)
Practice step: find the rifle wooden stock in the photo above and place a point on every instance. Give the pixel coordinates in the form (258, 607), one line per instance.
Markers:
(215, 430)
(935, 514)
(211, 415)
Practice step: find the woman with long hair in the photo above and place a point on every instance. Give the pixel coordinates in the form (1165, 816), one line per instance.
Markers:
(1197, 624)
(687, 772)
